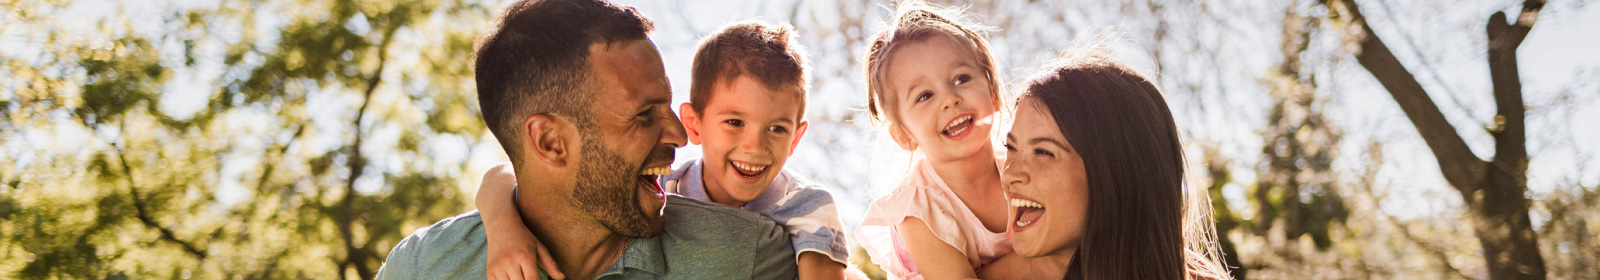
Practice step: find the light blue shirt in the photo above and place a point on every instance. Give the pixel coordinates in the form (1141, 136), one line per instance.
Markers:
(700, 240)
(803, 208)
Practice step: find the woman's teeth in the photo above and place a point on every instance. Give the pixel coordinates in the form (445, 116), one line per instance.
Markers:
(1018, 202)
(1023, 217)
(658, 171)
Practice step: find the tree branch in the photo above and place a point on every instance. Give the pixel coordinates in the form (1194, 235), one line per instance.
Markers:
(138, 203)
(1511, 154)
(1460, 167)
(356, 256)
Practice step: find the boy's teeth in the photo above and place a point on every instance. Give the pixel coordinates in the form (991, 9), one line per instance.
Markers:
(749, 167)
(658, 171)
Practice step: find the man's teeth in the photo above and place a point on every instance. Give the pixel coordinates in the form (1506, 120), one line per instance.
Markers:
(658, 171)
(749, 167)
(1018, 202)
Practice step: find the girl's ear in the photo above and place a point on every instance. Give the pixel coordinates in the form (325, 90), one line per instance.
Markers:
(903, 137)
(691, 122)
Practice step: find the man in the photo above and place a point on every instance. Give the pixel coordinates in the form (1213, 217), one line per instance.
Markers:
(577, 95)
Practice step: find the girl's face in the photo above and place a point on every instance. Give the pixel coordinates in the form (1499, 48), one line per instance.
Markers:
(1045, 183)
(944, 101)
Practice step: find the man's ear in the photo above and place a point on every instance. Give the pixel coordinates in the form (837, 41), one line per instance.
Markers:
(551, 140)
(799, 131)
(902, 136)
(691, 122)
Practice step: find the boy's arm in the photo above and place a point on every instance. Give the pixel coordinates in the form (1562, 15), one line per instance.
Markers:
(513, 250)
(814, 266)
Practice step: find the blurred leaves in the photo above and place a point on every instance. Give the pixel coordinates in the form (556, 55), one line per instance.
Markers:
(260, 173)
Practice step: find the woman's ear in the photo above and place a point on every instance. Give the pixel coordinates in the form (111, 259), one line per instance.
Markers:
(691, 122)
(902, 136)
(551, 140)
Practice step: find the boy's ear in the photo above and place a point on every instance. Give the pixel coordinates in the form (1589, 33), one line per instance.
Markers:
(902, 137)
(799, 131)
(691, 122)
(551, 140)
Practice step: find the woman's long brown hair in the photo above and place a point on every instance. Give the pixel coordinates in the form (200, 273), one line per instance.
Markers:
(1116, 119)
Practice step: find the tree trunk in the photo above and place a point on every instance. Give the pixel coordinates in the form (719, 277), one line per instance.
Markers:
(1493, 190)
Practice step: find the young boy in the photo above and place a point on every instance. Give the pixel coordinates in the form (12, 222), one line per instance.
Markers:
(747, 109)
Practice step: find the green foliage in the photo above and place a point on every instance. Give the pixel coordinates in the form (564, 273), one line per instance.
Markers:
(283, 171)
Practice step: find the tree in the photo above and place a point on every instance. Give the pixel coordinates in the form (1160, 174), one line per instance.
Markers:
(323, 119)
(1492, 189)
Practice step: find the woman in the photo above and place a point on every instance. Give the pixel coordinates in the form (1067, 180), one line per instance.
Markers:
(1094, 172)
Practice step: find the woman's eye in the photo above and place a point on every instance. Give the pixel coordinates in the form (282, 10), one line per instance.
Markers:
(963, 79)
(1043, 152)
(734, 122)
(924, 96)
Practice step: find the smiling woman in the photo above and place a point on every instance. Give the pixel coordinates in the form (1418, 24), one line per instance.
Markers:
(1095, 163)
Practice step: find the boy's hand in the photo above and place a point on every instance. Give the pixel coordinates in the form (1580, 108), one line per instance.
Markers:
(513, 250)
(513, 254)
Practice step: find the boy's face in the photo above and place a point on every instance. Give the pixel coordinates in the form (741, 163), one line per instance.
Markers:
(747, 132)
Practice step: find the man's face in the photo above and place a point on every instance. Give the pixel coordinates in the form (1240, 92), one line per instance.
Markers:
(747, 131)
(631, 140)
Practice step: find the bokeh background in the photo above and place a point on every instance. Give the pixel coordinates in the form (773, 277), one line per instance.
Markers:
(245, 139)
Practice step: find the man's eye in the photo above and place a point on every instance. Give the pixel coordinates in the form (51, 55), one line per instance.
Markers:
(924, 96)
(734, 122)
(963, 79)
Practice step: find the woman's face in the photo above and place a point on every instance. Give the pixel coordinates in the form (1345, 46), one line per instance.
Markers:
(1045, 183)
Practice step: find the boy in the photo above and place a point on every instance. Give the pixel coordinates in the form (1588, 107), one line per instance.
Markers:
(747, 110)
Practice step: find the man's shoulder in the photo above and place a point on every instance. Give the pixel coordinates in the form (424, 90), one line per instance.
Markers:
(452, 246)
(687, 211)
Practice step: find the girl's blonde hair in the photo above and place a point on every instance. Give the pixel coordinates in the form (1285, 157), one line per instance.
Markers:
(916, 21)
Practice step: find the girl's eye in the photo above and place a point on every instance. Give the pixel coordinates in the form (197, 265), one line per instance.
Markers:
(1010, 148)
(963, 79)
(1043, 152)
(734, 122)
(778, 129)
(924, 96)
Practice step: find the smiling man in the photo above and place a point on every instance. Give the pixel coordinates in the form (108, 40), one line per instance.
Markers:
(577, 95)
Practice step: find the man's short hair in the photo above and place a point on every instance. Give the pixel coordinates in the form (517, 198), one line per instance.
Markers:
(762, 51)
(536, 59)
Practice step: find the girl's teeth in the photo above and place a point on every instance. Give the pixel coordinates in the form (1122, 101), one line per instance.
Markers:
(1018, 202)
(1024, 223)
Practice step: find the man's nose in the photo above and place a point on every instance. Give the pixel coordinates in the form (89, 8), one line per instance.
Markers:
(673, 135)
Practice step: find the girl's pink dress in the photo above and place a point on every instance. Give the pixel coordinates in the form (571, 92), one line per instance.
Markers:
(925, 196)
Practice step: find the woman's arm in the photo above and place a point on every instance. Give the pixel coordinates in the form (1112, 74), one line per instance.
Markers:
(513, 250)
(934, 259)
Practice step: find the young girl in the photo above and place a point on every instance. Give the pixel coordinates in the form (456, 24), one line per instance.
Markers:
(931, 82)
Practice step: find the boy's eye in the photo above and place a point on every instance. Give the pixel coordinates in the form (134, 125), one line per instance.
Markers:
(734, 122)
(963, 79)
(778, 129)
(1043, 152)
(924, 96)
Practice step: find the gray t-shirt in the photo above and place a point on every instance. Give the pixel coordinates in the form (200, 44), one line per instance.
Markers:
(700, 240)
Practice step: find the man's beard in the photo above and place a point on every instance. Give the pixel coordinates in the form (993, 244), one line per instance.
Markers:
(608, 188)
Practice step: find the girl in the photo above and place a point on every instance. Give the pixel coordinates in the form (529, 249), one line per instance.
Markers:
(931, 82)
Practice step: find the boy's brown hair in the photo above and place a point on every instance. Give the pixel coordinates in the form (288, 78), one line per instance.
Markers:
(763, 51)
(915, 21)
